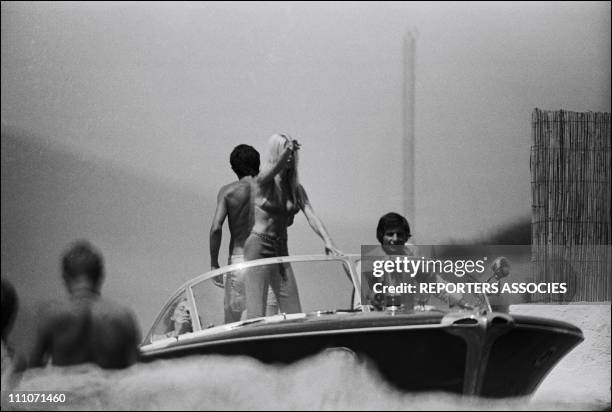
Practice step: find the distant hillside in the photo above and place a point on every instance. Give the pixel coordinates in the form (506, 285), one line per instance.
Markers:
(518, 233)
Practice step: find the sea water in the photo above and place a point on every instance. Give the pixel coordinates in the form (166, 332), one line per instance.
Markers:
(333, 380)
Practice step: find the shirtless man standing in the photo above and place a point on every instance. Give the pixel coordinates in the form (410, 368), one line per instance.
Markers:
(87, 328)
(234, 202)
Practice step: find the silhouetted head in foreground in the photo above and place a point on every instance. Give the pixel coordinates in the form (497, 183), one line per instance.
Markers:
(86, 328)
(244, 160)
(82, 267)
(10, 304)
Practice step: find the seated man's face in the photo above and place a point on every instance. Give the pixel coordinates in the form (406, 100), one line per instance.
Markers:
(394, 239)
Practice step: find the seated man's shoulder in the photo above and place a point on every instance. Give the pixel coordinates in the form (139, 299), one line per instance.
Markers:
(53, 309)
(53, 314)
(112, 310)
(52, 305)
(112, 320)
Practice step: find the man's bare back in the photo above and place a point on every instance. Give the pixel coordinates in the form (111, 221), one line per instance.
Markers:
(233, 203)
(87, 329)
(237, 198)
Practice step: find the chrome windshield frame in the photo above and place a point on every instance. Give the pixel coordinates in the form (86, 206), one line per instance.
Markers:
(187, 288)
(349, 260)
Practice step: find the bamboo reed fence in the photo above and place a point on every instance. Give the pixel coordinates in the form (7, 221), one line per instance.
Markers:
(570, 184)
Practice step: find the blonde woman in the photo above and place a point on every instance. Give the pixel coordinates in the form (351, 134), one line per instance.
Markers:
(277, 197)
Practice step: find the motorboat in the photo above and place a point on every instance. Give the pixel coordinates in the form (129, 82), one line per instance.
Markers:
(429, 347)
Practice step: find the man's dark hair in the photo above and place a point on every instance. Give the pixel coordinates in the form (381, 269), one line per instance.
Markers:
(245, 161)
(391, 220)
(9, 306)
(83, 259)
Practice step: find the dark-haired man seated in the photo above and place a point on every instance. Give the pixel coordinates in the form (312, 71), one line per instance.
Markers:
(234, 203)
(393, 233)
(86, 328)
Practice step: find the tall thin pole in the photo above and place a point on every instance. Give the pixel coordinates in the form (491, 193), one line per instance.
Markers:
(408, 138)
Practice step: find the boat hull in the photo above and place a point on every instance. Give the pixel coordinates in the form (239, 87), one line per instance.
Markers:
(494, 355)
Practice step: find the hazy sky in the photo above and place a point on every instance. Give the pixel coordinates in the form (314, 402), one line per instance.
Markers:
(165, 91)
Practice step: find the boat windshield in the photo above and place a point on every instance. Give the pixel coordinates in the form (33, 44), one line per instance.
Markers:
(286, 287)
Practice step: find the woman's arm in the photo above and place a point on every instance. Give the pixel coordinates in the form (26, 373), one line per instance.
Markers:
(316, 224)
(266, 176)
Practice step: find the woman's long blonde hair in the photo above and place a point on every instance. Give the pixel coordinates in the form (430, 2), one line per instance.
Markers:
(276, 145)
